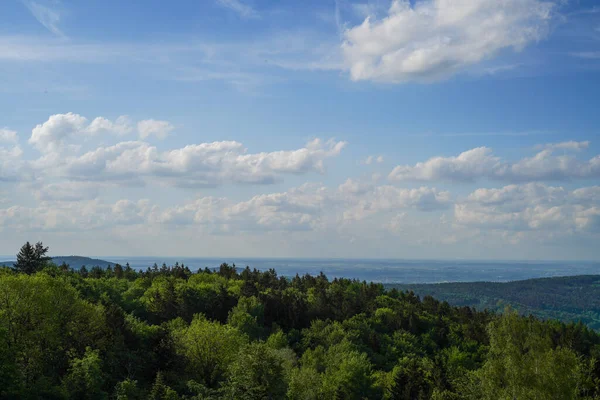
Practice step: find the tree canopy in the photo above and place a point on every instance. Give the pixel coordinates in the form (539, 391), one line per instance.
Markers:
(170, 333)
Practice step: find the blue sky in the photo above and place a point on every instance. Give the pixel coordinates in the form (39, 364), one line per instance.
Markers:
(422, 129)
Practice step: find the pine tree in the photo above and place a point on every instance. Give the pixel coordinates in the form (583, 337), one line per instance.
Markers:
(31, 258)
(118, 271)
(160, 390)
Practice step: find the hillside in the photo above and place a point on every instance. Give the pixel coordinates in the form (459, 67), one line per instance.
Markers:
(77, 262)
(572, 298)
(74, 262)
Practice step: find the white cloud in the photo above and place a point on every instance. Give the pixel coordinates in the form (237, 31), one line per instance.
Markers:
(466, 166)
(76, 216)
(138, 162)
(480, 163)
(11, 164)
(311, 207)
(367, 214)
(151, 127)
(308, 207)
(570, 145)
(197, 165)
(364, 202)
(373, 159)
(53, 134)
(531, 207)
(47, 16)
(430, 40)
(302, 208)
(61, 130)
(203, 211)
(127, 212)
(396, 223)
(588, 195)
(8, 136)
(68, 191)
(121, 126)
(243, 9)
(73, 216)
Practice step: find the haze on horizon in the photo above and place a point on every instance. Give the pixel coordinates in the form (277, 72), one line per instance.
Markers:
(426, 129)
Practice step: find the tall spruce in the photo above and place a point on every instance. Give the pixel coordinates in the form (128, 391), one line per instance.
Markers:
(31, 258)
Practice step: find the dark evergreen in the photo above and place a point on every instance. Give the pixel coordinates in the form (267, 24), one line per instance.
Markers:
(31, 258)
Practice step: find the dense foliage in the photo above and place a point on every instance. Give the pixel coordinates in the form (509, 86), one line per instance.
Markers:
(571, 298)
(170, 333)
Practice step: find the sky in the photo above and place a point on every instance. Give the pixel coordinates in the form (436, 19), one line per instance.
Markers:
(437, 129)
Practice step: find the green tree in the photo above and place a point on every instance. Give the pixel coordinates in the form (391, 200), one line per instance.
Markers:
(42, 317)
(523, 364)
(85, 377)
(258, 373)
(305, 384)
(161, 391)
(31, 258)
(118, 271)
(208, 348)
(127, 390)
(9, 377)
(248, 317)
(411, 380)
(348, 374)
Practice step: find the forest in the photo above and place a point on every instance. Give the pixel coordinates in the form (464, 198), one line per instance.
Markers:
(567, 298)
(238, 333)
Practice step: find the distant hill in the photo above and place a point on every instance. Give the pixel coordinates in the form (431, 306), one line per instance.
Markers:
(77, 262)
(572, 298)
(74, 262)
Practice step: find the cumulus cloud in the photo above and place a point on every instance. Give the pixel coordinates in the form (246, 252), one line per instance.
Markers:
(309, 207)
(8, 136)
(151, 127)
(70, 153)
(198, 165)
(53, 135)
(466, 166)
(531, 207)
(428, 40)
(301, 208)
(480, 163)
(366, 202)
(127, 212)
(121, 126)
(11, 164)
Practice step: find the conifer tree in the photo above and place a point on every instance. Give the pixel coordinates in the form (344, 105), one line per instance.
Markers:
(31, 258)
